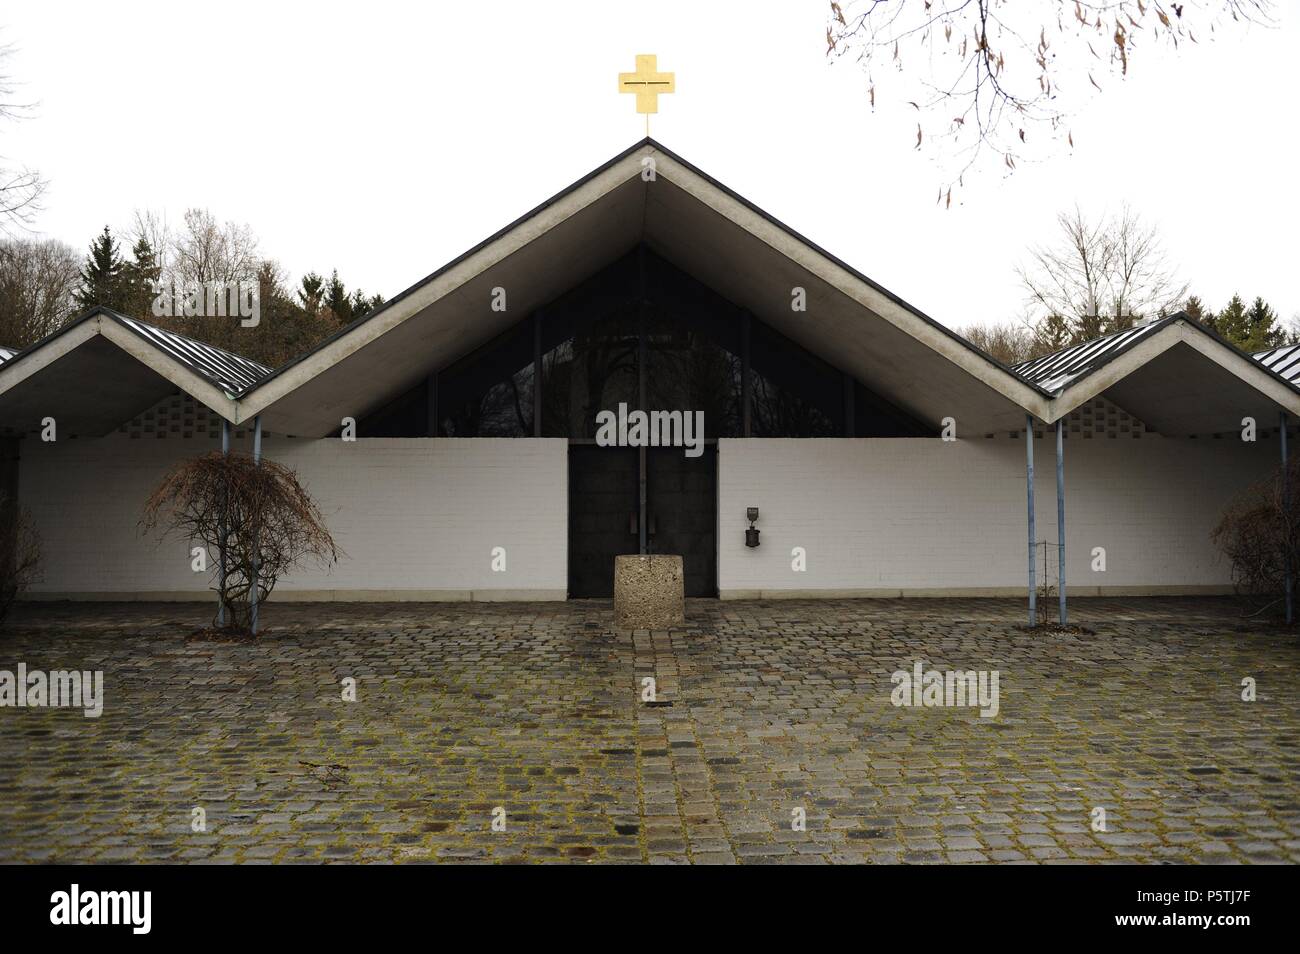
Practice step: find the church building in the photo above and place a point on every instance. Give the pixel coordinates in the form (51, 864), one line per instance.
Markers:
(648, 363)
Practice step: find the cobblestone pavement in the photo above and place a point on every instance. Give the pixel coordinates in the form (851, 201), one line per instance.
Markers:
(762, 709)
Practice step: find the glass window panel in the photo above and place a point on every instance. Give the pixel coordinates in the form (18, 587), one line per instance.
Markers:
(405, 416)
(589, 371)
(688, 371)
(873, 416)
(794, 394)
(693, 345)
(490, 393)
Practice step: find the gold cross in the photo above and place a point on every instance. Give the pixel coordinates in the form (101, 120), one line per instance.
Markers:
(647, 82)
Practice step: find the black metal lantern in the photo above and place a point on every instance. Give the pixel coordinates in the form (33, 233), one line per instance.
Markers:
(751, 535)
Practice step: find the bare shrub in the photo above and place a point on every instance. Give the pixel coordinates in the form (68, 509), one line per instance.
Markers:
(1048, 611)
(1257, 533)
(20, 553)
(261, 515)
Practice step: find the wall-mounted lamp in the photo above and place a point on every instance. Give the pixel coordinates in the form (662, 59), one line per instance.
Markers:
(751, 535)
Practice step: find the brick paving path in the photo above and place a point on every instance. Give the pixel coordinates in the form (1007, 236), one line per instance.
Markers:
(761, 709)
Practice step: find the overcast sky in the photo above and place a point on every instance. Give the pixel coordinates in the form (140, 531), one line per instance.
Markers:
(383, 139)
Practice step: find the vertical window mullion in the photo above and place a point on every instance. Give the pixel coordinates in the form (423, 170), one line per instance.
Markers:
(746, 389)
(537, 374)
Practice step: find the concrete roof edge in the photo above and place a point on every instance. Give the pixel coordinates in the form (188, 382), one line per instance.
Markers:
(993, 373)
(108, 324)
(1178, 328)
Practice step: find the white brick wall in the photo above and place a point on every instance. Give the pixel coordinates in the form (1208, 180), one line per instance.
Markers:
(417, 518)
(910, 516)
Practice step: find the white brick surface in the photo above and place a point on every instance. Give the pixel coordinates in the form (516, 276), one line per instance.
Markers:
(412, 515)
(419, 518)
(920, 514)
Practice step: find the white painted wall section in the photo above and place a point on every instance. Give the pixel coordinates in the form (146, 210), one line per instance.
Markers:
(417, 518)
(885, 517)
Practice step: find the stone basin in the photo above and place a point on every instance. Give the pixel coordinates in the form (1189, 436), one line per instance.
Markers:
(648, 591)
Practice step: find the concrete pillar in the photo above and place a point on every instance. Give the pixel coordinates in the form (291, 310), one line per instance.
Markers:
(1060, 517)
(1286, 512)
(221, 550)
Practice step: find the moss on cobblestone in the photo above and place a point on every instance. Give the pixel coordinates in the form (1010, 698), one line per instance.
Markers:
(764, 708)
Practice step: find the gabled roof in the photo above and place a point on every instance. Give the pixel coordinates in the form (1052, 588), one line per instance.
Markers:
(1057, 371)
(696, 224)
(1284, 361)
(1173, 373)
(232, 372)
(225, 369)
(103, 368)
(1176, 375)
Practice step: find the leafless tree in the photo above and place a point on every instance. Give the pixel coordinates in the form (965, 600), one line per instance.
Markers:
(21, 188)
(208, 251)
(1009, 342)
(1099, 276)
(20, 552)
(153, 228)
(1004, 75)
(202, 251)
(260, 514)
(37, 282)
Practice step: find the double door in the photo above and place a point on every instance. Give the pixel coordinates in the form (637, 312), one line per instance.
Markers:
(605, 513)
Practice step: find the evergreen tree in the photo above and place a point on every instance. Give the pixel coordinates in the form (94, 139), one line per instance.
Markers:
(337, 300)
(288, 327)
(1265, 332)
(1052, 334)
(1251, 329)
(1199, 312)
(1232, 324)
(363, 304)
(140, 281)
(101, 276)
(311, 293)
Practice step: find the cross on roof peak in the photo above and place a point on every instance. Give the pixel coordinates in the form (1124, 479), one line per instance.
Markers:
(647, 83)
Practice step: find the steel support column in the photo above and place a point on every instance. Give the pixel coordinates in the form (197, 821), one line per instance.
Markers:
(1060, 516)
(221, 550)
(1029, 489)
(1286, 512)
(257, 462)
(643, 537)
